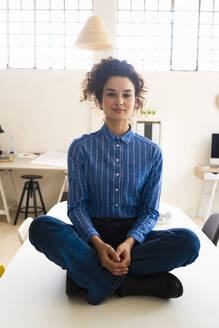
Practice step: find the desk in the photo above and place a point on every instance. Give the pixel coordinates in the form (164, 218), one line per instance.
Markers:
(24, 164)
(207, 174)
(33, 295)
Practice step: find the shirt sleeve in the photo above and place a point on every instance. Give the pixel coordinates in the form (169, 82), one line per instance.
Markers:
(78, 193)
(150, 200)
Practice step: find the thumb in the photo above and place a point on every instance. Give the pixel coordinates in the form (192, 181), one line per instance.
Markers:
(114, 255)
(119, 251)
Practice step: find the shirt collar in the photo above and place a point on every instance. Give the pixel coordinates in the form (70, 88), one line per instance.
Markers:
(126, 137)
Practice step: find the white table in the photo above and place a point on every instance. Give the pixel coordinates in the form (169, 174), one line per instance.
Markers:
(207, 174)
(23, 164)
(33, 293)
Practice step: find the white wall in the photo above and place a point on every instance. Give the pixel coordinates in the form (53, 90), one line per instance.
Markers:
(41, 110)
(186, 105)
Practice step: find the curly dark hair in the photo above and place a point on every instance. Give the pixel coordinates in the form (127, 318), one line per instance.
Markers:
(93, 84)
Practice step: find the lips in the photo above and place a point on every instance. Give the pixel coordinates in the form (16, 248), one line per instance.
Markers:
(118, 110)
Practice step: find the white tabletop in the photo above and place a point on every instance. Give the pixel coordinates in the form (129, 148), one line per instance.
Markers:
(25, 163)
(32, 293)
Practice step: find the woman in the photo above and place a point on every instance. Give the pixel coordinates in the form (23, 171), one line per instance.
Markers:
(113, 200)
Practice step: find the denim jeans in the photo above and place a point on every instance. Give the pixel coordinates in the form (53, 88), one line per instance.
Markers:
(162, 250)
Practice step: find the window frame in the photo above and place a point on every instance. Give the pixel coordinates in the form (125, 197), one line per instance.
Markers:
(196, 63)
(70, 58)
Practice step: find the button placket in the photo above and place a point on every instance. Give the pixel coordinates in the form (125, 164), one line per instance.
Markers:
(117, 171)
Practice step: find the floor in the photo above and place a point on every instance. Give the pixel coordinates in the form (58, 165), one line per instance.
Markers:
(9, 242)
(9, 235)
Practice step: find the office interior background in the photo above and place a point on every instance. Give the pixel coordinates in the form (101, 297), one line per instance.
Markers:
(173, 44)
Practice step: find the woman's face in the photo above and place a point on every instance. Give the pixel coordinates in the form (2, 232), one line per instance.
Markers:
(118, 100)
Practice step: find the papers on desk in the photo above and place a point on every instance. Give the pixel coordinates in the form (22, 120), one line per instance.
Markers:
(52, 158)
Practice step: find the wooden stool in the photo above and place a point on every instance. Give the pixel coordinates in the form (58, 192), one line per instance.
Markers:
(31, 187)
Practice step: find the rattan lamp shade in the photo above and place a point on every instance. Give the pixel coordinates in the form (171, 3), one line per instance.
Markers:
(94, 36)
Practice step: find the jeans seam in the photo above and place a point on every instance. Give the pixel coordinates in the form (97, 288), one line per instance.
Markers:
(110, 290)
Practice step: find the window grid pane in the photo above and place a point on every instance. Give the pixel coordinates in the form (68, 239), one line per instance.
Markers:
(40, 34)
(169, 35)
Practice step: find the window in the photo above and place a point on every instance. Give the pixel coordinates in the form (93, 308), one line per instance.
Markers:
(169, 35)
(41, 33)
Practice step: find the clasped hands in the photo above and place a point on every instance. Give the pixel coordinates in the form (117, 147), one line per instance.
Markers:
(116, 261)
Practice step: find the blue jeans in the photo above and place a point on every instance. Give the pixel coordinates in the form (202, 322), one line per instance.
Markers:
(162, 250)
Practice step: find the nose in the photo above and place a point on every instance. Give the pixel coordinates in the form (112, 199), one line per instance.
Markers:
(119, 100)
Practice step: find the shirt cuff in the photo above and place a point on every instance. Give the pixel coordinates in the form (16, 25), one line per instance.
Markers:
(89, 234)
(140, 237)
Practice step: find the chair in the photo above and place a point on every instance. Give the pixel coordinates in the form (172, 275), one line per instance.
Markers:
(31, 187)
(211, 228)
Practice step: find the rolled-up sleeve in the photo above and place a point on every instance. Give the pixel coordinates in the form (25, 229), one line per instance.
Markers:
(78, 193)
(150, 199)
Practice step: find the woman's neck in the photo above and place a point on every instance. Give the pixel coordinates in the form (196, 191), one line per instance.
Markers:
(118, 128)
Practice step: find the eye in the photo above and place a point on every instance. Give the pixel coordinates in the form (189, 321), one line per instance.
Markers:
(110, 94)
(127, 95)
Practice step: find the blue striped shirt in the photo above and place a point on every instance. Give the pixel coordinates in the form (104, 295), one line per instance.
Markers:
(114, 176)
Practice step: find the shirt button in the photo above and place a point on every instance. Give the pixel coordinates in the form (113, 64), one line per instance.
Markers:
(118, 138)
(117, 189)
(117, 145)
(116, 205)
(117, 174)
(117, 159)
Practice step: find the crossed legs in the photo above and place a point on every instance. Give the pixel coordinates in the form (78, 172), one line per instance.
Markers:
(162, 251)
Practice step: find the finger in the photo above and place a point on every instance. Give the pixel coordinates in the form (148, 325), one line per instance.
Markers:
(126, 261)
(119, 272)
(119, 266)
(117, 269)
(112, 264)
(114, 255)
(124, 256)
(119, 251)
(106, 257)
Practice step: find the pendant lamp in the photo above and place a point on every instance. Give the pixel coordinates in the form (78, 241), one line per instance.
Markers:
(94, 36)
